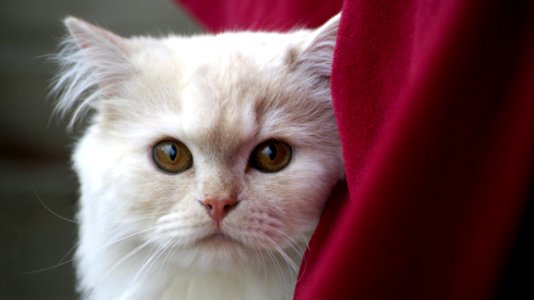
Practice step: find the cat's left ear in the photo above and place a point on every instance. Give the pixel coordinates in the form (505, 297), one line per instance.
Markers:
(318, 52)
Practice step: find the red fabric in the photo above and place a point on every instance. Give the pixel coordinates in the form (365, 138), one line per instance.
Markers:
(261, 15)
(435, 107)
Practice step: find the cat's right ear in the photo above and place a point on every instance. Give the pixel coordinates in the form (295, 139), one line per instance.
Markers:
(317, 56)
(93, 63)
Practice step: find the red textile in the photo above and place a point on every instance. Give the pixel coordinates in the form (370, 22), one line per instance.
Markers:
(435, 107)
(261, 15)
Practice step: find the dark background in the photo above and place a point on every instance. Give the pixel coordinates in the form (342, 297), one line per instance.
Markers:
(35, 243)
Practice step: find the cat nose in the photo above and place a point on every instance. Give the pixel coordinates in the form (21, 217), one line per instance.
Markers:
(218, 208)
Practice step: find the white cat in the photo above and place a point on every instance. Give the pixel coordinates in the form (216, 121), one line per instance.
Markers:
(206, 163)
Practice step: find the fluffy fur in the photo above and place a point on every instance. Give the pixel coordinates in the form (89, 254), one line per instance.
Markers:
(143, 233)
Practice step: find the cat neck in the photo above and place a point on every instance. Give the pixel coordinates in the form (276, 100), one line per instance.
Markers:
(275, 282)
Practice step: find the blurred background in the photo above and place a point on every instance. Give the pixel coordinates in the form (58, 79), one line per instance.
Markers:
(38, 190)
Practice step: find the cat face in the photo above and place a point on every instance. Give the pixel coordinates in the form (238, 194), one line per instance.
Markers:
(215, 148)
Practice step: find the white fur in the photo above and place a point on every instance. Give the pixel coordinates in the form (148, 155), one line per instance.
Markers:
(143, 234)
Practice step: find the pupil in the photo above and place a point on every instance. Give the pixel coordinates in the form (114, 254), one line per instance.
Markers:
(270, 151)
(172, 152)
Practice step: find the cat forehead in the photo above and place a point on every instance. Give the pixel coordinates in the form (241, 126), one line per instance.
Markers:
(218, 52)
(231, 103)
(211, 91)
(263, 47)
(210, 80)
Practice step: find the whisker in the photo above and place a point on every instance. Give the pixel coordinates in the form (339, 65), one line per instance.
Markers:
(279, 273)
(49, 209)
(298, 247)
(169, 249)
(148, 264)
(263, 266)
(62, 262)
(284, 255)
(125, 257)
(48, 268)
(282, 276)
(70, 251)
(145, 268)
(123, 238)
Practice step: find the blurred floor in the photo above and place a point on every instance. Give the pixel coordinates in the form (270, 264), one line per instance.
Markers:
(35, 176)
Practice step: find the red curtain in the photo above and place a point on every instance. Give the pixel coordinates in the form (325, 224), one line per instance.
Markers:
(435, 108)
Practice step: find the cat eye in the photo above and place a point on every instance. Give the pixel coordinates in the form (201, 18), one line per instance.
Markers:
(172, 156)
(270, 156)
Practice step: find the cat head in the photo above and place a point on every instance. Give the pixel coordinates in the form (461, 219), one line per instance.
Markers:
(214, 147)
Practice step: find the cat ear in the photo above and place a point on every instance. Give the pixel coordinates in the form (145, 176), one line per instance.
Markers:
(93, 63)
(317, 54)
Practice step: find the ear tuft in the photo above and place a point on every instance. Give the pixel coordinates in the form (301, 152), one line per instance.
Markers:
(93, 63)
(316, 58)
(87, 35)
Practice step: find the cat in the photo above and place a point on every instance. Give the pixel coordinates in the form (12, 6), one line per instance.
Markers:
(205, 163)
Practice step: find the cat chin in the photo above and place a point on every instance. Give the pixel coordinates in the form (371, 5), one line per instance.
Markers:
(224, 254)
(215, 253)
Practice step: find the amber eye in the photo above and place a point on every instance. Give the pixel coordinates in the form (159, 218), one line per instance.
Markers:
(271, 156)
(172, 156)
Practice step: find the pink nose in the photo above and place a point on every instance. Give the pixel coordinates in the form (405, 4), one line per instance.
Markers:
(218, 208)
